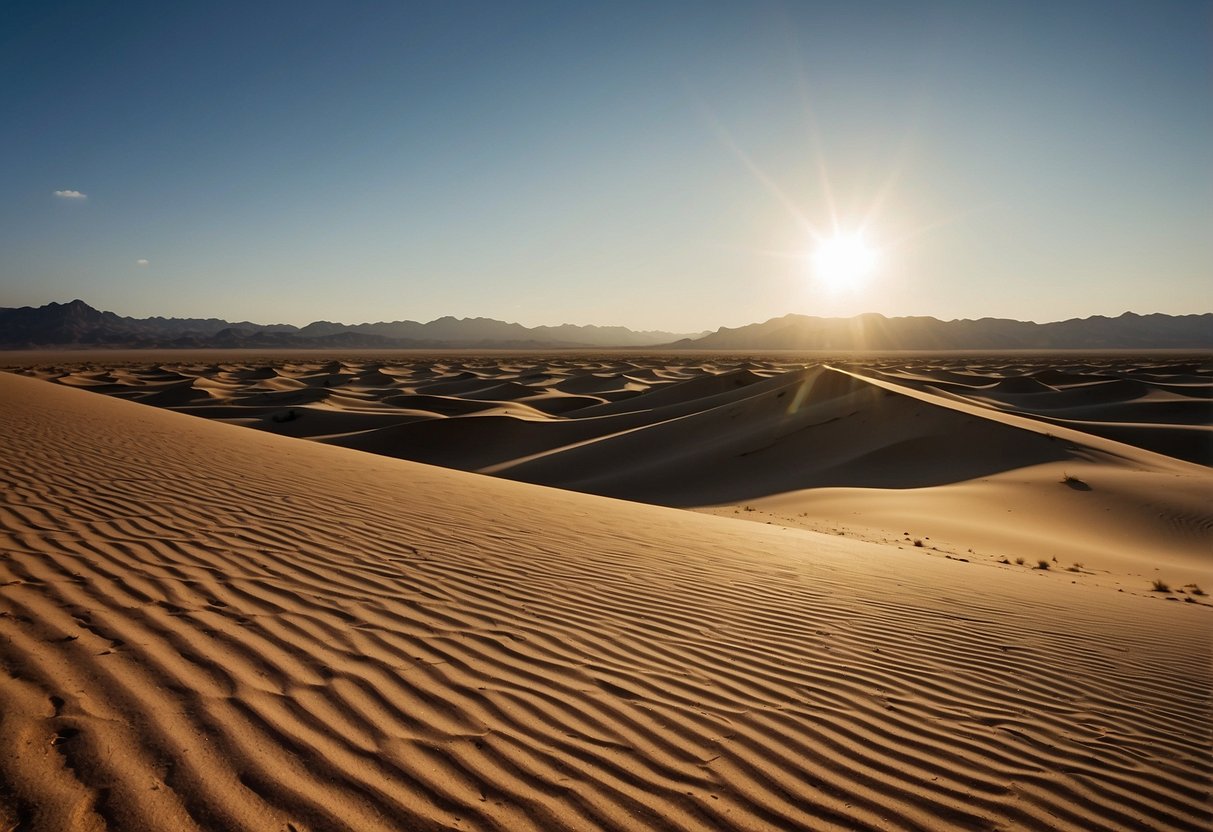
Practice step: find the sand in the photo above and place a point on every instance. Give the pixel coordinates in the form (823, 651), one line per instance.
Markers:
(968, 454)
(206, 626)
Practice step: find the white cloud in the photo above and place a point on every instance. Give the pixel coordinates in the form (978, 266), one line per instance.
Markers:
(71, 195)
(141, 262)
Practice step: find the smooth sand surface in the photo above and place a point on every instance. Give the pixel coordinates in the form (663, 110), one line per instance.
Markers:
(204, 626)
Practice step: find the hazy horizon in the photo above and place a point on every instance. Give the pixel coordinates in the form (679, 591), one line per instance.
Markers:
(656, 166)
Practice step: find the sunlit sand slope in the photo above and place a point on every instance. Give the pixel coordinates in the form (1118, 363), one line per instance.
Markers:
(209, 627)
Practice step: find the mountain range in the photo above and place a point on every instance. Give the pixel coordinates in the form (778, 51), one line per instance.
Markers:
(876, 332)
(76, 324)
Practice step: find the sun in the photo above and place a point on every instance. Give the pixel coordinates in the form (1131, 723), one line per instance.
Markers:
(843, 262)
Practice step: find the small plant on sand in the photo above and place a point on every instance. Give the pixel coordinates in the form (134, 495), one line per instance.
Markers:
(748, 508)
(1074, 482)
(1019, 561)
(918, 543)
(1042, 564)
(1160, 585)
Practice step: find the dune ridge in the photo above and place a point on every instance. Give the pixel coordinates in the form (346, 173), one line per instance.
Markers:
(213, 628)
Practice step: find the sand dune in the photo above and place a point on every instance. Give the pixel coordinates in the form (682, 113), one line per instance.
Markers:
(817, 427)
(217, 628)
(1167, 407)
(968, 454)
(1135, 402)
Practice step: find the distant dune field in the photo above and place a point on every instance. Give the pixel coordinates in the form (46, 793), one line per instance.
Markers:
(974, 596)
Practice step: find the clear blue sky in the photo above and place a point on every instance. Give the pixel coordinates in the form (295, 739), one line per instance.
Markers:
(656, 165)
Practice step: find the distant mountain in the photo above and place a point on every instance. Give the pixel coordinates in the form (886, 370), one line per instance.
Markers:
(483, 330)
(876, 332)
(78, 324)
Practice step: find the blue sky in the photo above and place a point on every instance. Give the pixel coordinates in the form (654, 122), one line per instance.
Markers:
(656, 165)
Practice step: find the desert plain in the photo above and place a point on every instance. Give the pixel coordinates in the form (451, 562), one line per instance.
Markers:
(569, 591)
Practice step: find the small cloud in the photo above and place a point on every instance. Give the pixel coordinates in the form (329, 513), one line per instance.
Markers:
(141, 262)
(71, 195)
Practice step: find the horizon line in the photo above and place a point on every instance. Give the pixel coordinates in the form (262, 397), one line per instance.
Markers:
(879, 315)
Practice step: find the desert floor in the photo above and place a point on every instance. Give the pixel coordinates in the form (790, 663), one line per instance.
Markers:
(970, 596)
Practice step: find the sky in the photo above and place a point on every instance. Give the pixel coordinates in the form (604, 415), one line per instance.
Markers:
(656, 165)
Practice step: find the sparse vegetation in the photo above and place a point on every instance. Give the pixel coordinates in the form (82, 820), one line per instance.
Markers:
(1042, 564)
(1194, 589)
(748, 508)
(1160, 585)
(1019, 561)
(918, 543)
(1074, 482)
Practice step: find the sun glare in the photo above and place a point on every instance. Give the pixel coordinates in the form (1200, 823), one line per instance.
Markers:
(843, 262)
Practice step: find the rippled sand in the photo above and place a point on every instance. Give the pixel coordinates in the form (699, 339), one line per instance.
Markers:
(205, 626)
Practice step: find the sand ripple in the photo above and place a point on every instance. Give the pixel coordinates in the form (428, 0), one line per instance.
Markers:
(203, 627)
